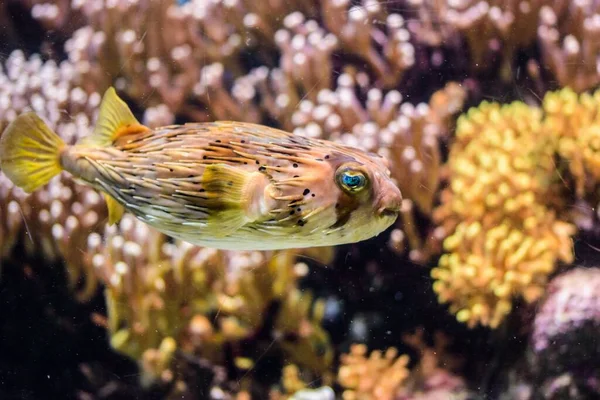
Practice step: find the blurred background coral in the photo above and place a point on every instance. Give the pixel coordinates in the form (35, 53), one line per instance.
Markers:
(485, 288)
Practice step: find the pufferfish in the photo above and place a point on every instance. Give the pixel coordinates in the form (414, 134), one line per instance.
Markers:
(225, 185)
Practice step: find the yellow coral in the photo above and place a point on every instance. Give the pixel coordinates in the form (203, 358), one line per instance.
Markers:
(500, 212)
(574, 120)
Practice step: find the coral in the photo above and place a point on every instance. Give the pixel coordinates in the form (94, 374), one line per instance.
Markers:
(435, 376)
(568, 40)
(185, 67)
(123, 43)
(178, 296)
(563, 345)
(55, 16)
(294, 386)
(565, 31)
(488, 26)
(357, 30)
(386, 375)
(53, 221)
(568, 316)
(574, 120)
(386, 76)
(378, 376)
(500, 213)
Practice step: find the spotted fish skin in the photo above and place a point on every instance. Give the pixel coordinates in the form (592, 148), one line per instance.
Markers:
(234, 185)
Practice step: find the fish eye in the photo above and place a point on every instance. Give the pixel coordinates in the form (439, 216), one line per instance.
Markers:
(351, 180)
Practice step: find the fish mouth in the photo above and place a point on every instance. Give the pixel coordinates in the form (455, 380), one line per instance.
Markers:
(389, 213)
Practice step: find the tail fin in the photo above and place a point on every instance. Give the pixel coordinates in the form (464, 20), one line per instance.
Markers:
(30, 152)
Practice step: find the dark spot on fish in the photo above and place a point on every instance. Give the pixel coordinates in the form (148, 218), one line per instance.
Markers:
(301, 222)
(292, 212)
(279, 166)
(170, 169)
(306, 191)
(243, 141)
(299, 209)
(202, 190)
(337, 205)
(296, 176)
(320, 349)
(205, 157)
(313, 195)
(257, 162)
(327, 157)
(295, 165)
(230, 183)
(217, 141)
(262, 168)
(190, 176)
(245, 163)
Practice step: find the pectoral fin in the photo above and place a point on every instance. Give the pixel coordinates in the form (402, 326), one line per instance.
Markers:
(115, 210)
(230, 194)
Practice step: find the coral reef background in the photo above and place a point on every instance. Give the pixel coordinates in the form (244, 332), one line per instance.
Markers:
(485, 288)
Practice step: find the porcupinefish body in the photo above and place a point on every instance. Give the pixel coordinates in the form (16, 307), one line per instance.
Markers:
(227, 185)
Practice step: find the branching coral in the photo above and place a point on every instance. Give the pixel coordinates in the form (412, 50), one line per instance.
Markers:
(180, 69)
(356, 28)
(51, 222)
(500, 211)
(569, 43)
(488, 26)
(57, 16)
(567, 33)
(178, 296)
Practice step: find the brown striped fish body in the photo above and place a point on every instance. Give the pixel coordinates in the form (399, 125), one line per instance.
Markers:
(232, 185)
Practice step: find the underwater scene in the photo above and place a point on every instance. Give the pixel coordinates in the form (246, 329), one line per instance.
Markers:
(299, 199)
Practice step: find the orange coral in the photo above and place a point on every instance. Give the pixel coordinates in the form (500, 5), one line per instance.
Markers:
(385, 375)
(376, 377)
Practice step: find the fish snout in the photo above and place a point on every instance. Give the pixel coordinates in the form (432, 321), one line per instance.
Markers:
(390, 202)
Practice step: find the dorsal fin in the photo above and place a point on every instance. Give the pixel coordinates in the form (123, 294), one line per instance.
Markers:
(114, 120)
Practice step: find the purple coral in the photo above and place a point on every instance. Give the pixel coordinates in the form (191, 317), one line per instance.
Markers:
(565, 346)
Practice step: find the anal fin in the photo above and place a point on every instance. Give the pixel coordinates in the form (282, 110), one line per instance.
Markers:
(115, 209)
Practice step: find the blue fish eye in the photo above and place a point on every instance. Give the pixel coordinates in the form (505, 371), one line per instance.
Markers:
(353, 181)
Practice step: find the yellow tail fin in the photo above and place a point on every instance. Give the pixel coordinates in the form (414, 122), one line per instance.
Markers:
(30, 152)
(115, 119)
